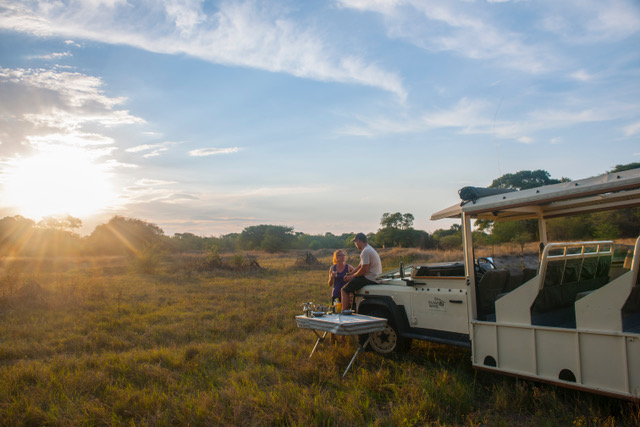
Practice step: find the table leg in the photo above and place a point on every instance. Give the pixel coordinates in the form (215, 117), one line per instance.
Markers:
(318, 341)
(358, 351)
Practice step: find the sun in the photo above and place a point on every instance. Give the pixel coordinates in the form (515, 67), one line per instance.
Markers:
(63, 181)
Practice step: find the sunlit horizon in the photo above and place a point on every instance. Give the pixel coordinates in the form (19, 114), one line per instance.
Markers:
(58, 181)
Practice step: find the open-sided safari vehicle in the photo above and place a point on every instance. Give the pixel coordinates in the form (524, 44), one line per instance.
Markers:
(573, 321)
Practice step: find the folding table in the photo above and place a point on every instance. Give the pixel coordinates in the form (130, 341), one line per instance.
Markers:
(342, 324)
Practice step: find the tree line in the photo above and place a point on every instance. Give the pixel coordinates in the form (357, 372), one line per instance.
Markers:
(53, 236)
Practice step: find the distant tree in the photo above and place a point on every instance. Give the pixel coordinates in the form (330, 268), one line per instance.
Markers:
(61, 223)
(454, 229)
(626, 167)
(521, 180)
(397, 230)
(569, 228)
(391, 220)
(183, 242)
(16, 233)
(271, 238)
(125, 236)
(20, 236)
(407, 221)
(450, 242)
(524, 179)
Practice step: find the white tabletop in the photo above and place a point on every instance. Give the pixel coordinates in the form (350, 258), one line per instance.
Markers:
(342, 324)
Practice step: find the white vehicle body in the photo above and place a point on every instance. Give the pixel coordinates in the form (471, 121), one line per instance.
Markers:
(574, 321)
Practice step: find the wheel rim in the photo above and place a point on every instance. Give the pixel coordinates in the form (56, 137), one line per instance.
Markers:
(384, 341)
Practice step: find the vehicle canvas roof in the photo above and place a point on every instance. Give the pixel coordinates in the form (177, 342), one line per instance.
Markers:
(610, 191)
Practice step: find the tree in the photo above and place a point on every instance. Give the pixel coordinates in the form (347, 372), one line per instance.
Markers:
(125, 236)
(16, 233)
(520, 181)
(271, 238)
(391, 220)
(397, 230)
(525, 179)
(407, 221)
(65, 223)
(628, 166)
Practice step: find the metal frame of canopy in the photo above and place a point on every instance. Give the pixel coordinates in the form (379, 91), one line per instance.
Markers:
(549, 201)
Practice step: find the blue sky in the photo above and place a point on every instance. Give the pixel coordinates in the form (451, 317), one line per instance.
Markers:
(211, 116)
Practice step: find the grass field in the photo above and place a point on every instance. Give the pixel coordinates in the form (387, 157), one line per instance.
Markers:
(94, 342)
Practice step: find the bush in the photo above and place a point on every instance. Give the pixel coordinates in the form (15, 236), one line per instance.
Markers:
(148, 259)
(451, 242)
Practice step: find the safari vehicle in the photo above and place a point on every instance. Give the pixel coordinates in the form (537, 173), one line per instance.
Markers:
(573, 321)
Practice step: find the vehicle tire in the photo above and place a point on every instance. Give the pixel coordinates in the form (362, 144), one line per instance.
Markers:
(388, 340)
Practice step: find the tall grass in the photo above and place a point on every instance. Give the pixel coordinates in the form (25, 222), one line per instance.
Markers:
(101, 343)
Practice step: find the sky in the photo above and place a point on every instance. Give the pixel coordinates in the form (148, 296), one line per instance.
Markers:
(207, 117)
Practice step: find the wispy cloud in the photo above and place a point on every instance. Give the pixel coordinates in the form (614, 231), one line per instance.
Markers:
(525, 140)
(147, 182)
(50, 56)
(632, 129)
(474, 116)
(458, 27)
(203, 152)
(474, 31)
(589, 21)
(582, 75)
(251, 34)
(49, 106)
(469, 116)
(151, 150)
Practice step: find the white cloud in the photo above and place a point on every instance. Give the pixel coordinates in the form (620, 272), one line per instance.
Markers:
(632, 129)
(588, 21)
(49, 106)
(148, 182)
(469, 116)
(203, 152)
(55, 55)
(451, 26)
(475, 117)
(582, 75)
(75, 89)
(143, 147)
(525, 140)
(242, 34)
(154, 150)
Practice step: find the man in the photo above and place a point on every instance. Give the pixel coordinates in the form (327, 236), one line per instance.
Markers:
(370, 267)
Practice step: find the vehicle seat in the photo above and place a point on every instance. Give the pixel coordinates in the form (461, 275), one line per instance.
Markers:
(631, 311)
(516, 278)
(555, 304)
(491, 285)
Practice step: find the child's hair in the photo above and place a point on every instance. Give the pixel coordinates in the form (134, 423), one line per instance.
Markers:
(335, 255)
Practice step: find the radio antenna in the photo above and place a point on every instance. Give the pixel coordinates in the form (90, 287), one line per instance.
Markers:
(495, 140)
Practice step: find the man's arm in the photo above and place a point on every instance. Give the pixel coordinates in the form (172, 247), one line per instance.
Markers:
(360, 271)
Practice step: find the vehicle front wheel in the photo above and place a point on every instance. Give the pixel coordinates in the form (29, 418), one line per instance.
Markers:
(388, 340)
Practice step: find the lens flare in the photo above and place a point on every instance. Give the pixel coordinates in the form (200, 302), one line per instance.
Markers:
(57, 181)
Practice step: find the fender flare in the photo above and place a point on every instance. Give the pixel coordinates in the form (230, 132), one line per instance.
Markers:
(397, 312)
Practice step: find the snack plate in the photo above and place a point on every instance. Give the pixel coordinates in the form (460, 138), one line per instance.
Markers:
(317, 313)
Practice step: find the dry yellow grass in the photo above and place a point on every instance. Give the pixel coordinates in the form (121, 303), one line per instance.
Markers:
(101, 344)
